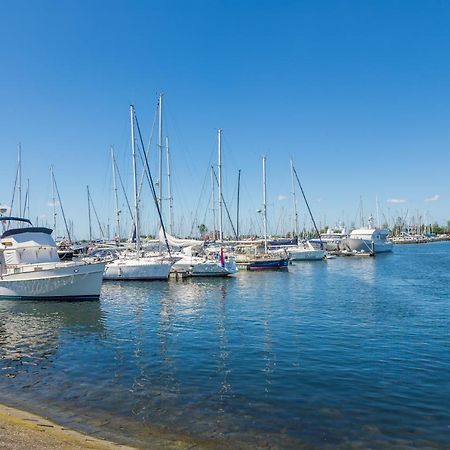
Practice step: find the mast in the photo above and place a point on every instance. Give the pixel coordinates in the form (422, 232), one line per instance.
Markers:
(19, 166)
(62, 209)
(169, 187)
(378, 211)
(53, 199)
(160, 148)
(219, 166)
(89, 213)
(213, 202)
(28, 197)
(116, 197)
(294, 200)
(264, 203)
(136, 201)
(237, 204)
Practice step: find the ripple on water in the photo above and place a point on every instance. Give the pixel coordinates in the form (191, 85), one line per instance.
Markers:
(348, 352)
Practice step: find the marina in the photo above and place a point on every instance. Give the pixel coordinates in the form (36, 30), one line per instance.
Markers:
(225, 225)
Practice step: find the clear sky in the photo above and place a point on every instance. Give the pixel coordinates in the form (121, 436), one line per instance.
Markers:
(357, 92)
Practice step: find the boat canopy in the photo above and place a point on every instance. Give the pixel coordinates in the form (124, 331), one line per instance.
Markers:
(29, 246)
(16, 231)
(15, 219)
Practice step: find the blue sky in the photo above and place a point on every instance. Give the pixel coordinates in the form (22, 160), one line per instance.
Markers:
(356, 92)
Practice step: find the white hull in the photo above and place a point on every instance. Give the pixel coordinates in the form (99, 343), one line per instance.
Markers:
(306, 255)
(54, 280)
(365, 245)
(205, 268)
(137, 269)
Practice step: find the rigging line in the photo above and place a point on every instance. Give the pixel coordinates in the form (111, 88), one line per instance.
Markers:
(307, 205)
(195, 218)
(62, 209)
(205, 180)
(148, 148)
(124, 192)
(152, 186)
(226, 208)
(96, 216)
(13, 196)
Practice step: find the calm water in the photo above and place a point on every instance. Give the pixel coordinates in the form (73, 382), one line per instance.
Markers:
(349, 353)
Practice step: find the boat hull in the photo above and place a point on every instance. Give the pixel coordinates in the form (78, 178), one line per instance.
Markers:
(275, 264)
(68, 282)
(367, 246)
(306, 255)
(206, 269)
(138, 270)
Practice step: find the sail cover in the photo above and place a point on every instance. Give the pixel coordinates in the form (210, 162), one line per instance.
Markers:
(176, 242)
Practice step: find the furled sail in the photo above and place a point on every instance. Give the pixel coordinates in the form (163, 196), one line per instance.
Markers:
(176, 242)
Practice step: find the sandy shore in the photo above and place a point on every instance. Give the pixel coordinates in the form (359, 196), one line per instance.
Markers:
(23, 430)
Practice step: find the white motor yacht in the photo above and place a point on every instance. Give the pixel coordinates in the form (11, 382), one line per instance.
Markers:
(369, 240)
(31, 269)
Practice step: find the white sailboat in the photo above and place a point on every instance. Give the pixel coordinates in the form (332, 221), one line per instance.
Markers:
(31, 269)
(195, 262)
(136, 266)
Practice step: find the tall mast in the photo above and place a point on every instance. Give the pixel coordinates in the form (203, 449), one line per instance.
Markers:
(169, 187)
(237, 204)
(89, 213)
(264, 203)
(294, 200)
(219, 166)
(53, 199)
(116, 197)
(213, 202)
(136, 200)
(160, 147)
(19, 166)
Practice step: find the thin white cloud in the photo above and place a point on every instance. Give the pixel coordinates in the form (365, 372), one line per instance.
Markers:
(434, 198)
(396, 200)
(281, 197)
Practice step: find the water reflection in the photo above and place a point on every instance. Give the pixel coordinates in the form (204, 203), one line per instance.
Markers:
(323, 355)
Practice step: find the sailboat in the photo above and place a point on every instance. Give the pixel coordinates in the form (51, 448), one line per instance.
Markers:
(135, 265)
(304, 250)
(31, 269)
(193, 260)
(251, 257)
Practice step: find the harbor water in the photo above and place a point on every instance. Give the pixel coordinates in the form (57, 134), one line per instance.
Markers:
(347, 353)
